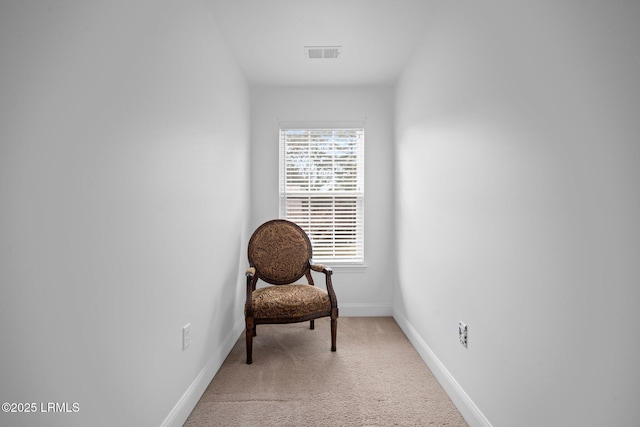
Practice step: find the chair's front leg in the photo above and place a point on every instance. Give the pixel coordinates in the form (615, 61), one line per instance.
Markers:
(250, 330)
(334, 331)
(312, 324)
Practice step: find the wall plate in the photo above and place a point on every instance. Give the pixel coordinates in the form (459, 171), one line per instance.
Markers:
(462, 333)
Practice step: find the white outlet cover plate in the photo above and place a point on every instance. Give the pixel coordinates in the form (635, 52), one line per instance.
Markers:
(186, 336)
(462, 333)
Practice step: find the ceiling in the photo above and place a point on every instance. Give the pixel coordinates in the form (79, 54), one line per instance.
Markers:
(268, 37)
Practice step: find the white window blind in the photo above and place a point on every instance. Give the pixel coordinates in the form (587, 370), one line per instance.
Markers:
(322, 189)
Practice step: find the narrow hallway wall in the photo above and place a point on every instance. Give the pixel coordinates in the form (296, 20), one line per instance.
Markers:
(124, 133)
(518, 198)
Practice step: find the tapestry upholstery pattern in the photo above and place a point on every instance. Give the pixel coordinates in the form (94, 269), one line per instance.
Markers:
(289, 301)
(280, 254)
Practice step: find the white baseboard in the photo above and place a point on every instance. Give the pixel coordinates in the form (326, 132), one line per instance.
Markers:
(365, 310)
(190, 398)
(458, 396)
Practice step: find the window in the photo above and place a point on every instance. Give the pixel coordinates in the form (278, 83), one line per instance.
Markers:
(322, 189)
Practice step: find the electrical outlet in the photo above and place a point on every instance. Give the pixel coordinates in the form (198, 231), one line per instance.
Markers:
(462, 333)
(186, 336)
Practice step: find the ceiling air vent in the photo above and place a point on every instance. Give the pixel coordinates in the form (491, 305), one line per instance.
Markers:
(322, 52)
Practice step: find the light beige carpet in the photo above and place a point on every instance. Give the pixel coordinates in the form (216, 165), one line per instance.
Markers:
(376, 378)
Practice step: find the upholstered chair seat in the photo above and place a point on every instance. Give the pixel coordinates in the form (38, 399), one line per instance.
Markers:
(290, 302)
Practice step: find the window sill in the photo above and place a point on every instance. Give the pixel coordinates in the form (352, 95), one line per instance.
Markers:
(348, 268)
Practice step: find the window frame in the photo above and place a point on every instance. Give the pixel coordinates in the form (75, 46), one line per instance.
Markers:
(349, 251)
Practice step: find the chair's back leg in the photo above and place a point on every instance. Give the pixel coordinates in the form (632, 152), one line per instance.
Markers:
(312, 324)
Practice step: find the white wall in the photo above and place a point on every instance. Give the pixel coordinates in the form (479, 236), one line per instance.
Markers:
(518, 198)
(360, 291)
(124, 137)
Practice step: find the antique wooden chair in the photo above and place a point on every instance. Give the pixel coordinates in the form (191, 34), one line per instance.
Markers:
(280, 253)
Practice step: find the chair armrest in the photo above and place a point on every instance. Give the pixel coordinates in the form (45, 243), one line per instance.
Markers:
(250, 272)
(321, 268)
(327, 273)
